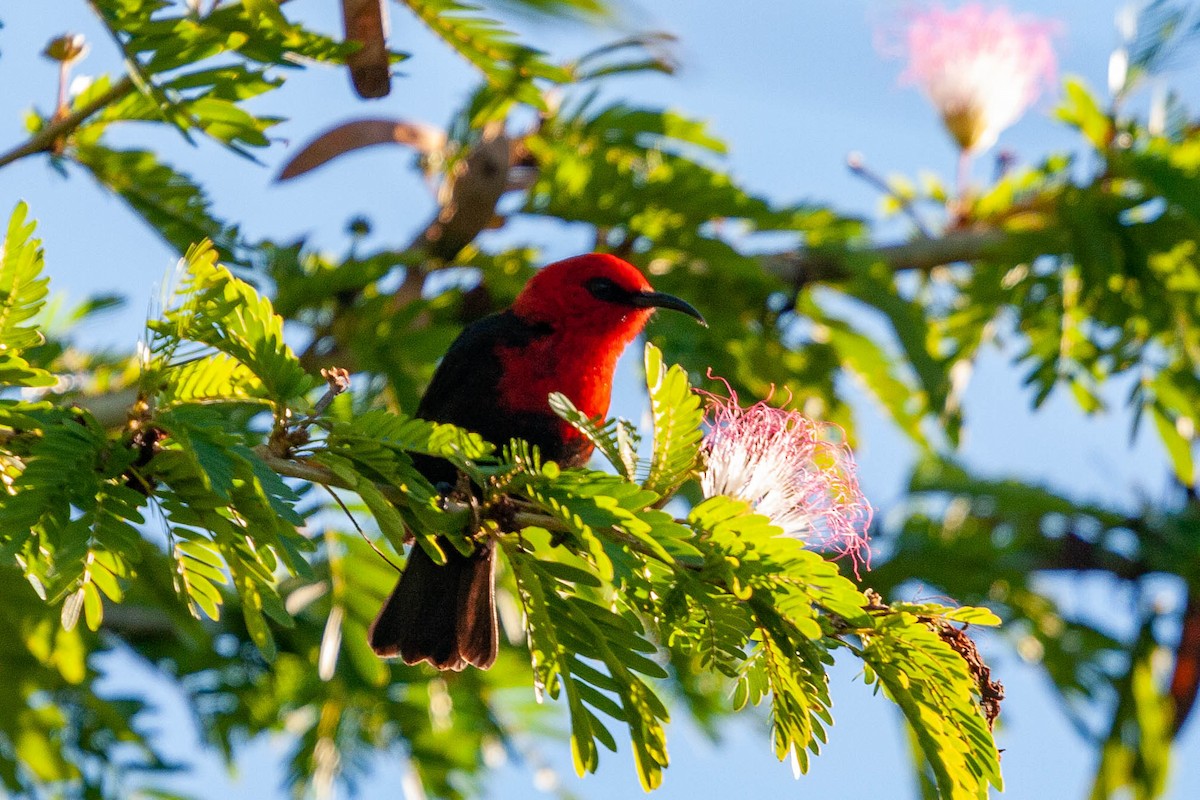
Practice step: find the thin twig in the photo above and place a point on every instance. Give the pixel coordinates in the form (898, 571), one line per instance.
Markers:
(338, 381)
(357, 527)
(858, 167)
(44, 140)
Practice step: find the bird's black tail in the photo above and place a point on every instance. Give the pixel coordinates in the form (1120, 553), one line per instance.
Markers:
(444, 615)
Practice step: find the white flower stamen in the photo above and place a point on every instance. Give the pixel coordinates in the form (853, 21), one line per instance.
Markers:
(779, 462)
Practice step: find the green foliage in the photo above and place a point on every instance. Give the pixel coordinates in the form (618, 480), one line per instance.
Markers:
(608, 581)
(616, 439)
(934, 689)
(221, 313)
(1136, 753)
(677, 416)
(479, 38)
(69, 521)
(874, 284)
(1163, 29)
(994, 539)
(719, 583)
(22, 294)
(568, 623)
(54, 730)
(881, 371)
(733, 594)
(177, 208)
(238, 35)
(225, 509)
(374, 449)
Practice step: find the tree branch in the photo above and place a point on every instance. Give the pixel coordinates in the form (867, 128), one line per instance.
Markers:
(1074, 553)
(468, 207)
(45, 140)
(135, 623)
(313, 473)
(474, 189)
(473, 203)
(803, 267)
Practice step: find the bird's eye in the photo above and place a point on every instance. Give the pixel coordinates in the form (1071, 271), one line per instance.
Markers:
(607, 289)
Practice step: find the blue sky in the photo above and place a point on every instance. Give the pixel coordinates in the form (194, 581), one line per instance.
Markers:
(793, 87)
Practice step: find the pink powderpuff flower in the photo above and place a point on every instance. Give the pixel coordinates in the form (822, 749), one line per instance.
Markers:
(778, 461)
(981, 69)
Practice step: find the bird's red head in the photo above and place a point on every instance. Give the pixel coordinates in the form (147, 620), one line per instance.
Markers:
(593, 306)
(597, 294)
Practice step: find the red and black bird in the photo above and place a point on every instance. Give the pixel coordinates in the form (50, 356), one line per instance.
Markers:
(563, 333)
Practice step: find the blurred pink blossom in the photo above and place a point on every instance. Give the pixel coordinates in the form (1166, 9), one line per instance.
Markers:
(981, 68)
(778, 461)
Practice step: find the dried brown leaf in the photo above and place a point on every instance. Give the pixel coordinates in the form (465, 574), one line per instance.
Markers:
(361, 133)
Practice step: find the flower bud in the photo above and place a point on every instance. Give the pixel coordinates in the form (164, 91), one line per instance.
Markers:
(66, 48)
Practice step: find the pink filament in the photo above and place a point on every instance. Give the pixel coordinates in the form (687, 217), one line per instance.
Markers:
(990, 64)
(779, 462)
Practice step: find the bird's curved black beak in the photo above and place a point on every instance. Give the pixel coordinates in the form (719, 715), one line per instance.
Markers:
(664, 300)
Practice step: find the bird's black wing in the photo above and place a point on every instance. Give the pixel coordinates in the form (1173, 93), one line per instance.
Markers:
(464, 385)
(464, 391)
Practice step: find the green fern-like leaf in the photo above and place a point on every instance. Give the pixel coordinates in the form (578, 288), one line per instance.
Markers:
(374, 449)
(592, 653)
(174, 206)
(485, 43)
(677, 424)
(414, 435)
(22, 295)
(708, 626)
(934, 689)
(617, 439)
(59, 472)
(165, 54)
(611, 518)
(110, 543)
(784, 595)
(226, 314)
(792, 671)
(22, 289)
(70, 521)
(232, 519)
(199, 570)
(215, 377)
